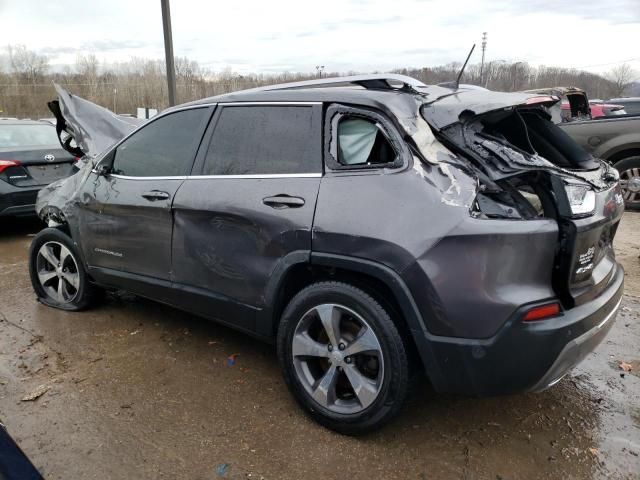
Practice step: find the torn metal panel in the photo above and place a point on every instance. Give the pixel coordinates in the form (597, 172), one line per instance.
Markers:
(85, 129)
(54, 201)
(457, 188)
(447, 109)
(92, 127)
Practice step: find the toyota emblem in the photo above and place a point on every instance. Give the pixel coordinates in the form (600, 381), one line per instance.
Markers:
(49, 157)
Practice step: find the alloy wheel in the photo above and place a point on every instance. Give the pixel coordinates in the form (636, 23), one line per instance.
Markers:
(630, 184)
(337, 358)
(57, 272)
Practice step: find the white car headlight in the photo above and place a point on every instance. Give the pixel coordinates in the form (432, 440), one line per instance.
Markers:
(581, 199)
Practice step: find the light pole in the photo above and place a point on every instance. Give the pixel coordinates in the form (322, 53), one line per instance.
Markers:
(484, 47)
(168, 51)
(515, 75)
(319, 69)
(115, 92)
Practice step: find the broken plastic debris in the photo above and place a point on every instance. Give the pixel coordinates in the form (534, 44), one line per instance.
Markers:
(222, 469)
(231, 359)
(627, 367)
(37, 393)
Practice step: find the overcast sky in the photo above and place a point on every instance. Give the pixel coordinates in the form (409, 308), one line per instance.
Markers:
(359, 35)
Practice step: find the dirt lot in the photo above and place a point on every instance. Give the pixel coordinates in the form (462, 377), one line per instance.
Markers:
(140, 390)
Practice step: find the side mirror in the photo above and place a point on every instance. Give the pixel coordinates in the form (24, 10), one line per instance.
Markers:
(105, 166)
(104, 170)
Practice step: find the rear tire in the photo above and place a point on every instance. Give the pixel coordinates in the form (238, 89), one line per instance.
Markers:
(629, 169)
(343, 358)
(57, 274)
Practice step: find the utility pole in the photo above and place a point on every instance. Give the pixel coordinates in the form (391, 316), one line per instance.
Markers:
(168, 51)
(514, 75)
(484, 47)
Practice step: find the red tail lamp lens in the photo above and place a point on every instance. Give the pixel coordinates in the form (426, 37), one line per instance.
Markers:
(4, 164)
(542, 312)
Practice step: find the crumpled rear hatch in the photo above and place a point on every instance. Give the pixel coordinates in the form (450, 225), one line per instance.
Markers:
(528, 168)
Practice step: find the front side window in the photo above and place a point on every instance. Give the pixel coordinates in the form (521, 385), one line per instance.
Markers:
(164, 148)
(260, 140)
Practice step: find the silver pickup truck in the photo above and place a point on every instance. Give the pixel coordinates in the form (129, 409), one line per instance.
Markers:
(615, 139)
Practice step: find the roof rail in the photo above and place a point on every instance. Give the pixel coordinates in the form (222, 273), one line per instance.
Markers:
(386, 81)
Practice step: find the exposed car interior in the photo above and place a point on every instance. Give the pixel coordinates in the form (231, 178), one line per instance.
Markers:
(531, 132)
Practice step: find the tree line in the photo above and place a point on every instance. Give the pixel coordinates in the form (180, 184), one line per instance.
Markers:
(26, 80)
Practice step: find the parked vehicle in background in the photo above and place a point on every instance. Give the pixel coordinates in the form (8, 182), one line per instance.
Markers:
(601, 109)
(596, 110)
(30, 158)
(631, 104)
(614, 137)
(370, 226)
(573, 105)
(50, 120)
(617, 140)
(605, 109)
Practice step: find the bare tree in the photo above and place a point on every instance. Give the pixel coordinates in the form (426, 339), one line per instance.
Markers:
(26, 86)
(621, 77)
(87, 74)
(87, 66)
(26, 64)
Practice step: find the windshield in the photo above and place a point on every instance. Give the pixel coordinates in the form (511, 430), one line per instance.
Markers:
(27, 135)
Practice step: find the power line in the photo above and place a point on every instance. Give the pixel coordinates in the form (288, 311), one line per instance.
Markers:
(610, 63)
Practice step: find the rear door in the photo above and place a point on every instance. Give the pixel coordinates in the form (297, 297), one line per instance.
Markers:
(248, 208)
(126, 219)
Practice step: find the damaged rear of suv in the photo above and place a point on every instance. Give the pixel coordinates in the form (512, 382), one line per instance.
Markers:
(370, 226)
(544, 217)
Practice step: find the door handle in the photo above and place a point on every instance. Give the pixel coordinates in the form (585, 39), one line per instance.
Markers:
(283, 201)
(155, 195)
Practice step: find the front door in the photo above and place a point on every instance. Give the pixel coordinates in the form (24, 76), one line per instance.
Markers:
(251, 206)
(126, 219)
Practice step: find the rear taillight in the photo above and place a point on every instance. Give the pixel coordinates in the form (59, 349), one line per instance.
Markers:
(4, 164)
(542, 312)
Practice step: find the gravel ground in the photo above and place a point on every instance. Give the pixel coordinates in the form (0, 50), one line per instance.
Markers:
(135, 389)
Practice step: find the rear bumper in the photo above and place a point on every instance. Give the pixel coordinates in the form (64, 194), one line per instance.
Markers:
(524, 356)
(576, 350)
(17, 201)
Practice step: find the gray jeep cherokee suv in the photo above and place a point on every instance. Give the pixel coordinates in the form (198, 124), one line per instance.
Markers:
(371, 226)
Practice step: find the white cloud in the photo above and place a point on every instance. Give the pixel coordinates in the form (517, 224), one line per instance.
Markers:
(361, 35)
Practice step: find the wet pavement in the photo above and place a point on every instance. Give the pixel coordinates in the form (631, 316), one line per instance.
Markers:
(135, 389)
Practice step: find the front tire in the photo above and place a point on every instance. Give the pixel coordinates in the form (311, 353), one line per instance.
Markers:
(629, 169)
(343, 358)
(57, 274)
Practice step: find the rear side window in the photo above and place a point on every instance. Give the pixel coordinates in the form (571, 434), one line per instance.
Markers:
(260, 140)
(362, 142)
(361, 138)
(164, 148)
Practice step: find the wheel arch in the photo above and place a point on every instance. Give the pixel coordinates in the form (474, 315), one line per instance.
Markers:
(626, 153)
(384, 284)
(614, 152)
